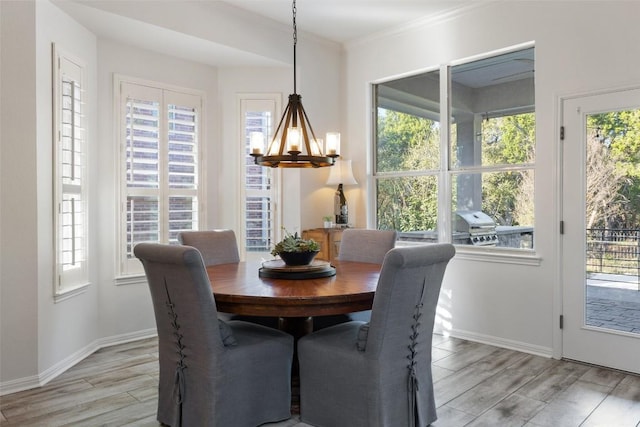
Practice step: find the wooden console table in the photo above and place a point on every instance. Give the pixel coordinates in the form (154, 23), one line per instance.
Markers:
(329, 239)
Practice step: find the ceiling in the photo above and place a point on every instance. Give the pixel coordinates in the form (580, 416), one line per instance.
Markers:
(343, 21)
(340, 21)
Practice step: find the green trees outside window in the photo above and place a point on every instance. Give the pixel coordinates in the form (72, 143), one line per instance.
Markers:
(407, 143)
(485, 162)
(613, 170)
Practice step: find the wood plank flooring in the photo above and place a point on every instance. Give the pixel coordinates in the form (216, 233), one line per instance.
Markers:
(475, 385)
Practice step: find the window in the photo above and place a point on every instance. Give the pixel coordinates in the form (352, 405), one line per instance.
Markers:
(479, 173)
(407, 156)
(160, 165)
(260, 192)
(70, 181)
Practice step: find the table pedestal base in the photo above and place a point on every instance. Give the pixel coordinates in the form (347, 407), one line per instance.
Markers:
(298, 327)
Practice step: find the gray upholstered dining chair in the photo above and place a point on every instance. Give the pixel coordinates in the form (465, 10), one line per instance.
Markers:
(379, 373)
(221, 247)
(216, 246)
(363, 245)
(212, 373)
(360, 245)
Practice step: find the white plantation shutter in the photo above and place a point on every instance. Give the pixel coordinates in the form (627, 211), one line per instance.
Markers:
(143, 143)
(161, 166)
(183, 167)
(260, 190)
(182, 147)
(70, 147)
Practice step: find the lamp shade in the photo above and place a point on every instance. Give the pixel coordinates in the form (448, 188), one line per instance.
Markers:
(341, 173)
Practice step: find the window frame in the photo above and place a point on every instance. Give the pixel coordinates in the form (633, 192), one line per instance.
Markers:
(446, 173)
(271, 102)
(68, 69)
(168, 95)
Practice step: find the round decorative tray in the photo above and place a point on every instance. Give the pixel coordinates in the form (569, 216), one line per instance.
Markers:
(277, 269)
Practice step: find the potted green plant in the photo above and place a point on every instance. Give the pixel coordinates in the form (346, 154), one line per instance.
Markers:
(294, 250)
(327, 221)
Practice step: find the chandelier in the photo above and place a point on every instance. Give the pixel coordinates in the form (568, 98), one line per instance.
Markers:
(294, 144)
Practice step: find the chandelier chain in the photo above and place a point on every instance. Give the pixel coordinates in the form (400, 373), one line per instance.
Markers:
(295, 42)
(295, 28)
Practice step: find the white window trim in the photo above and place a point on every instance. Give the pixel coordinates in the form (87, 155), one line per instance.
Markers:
(131, 271)
(68, 283)
(484, 254)
(245, 102)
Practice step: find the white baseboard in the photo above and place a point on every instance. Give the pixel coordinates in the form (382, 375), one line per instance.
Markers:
(26, 383)
(502, 342)
(20, 384)
(124, 338)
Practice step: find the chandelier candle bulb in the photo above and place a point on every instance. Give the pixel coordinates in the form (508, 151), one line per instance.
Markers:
(256, 142)
(333, 143)
(293, 140)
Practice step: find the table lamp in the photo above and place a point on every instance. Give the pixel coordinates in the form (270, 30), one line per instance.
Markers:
(341, 174)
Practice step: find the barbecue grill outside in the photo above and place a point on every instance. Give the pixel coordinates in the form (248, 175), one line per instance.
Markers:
(480, 226)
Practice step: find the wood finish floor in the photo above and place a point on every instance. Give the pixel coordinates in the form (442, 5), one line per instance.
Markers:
(475, 385)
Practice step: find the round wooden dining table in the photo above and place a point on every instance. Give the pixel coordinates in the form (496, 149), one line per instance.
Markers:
(239, 289)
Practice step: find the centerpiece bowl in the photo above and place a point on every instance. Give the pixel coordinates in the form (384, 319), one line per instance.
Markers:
(298, 258)
(294, 250)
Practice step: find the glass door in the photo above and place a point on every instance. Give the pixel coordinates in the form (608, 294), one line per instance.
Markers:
(601, 222)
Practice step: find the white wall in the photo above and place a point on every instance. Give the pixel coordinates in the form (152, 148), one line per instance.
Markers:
(320, 83)
(18, 193)
(64, 328)
(507, 303)
(126, 308)
(38, 335)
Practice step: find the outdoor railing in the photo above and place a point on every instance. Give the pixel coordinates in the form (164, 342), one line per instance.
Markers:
(614, 252)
